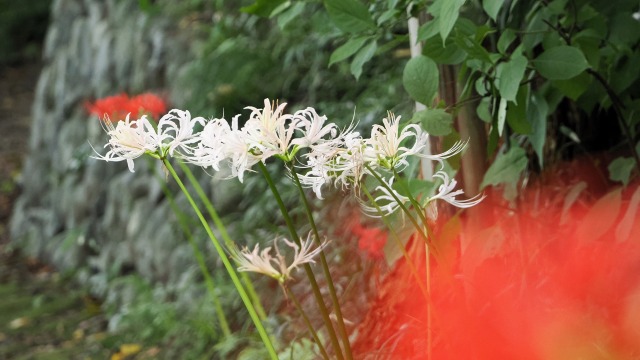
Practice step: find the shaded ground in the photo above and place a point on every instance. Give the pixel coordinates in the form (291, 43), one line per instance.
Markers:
(41, 315)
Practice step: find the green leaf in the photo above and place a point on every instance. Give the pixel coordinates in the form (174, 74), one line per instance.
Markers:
(574, 87)
(561, 62)
(262, 7)
(428, 29)
(483, 110)
(620, 169)
(365, 54)
(289, 14)
(347, 49)
(507, 37)
(506, 169)
(502, 115)
(449, 12)
(517, 112)
(473, 48)
(510, 75)
(537, 112)
(447, 53)
(492, 7)
(421, 79)
(436, 122)
(349, 15)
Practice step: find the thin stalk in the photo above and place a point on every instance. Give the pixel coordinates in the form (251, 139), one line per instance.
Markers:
(400, 245)
(227, 264)
(325, 266)
(314, 334)
(307, 268)
(425, 229)
(225, 236)
(222, 319)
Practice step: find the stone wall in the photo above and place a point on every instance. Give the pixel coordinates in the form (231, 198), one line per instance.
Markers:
(75, 211)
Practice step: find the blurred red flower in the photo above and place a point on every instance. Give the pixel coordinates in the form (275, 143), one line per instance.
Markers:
(117, 107)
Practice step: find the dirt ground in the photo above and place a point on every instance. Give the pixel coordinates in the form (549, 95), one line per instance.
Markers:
(42, 316)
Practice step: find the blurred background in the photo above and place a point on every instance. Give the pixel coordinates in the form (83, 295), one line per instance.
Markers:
(94, 260)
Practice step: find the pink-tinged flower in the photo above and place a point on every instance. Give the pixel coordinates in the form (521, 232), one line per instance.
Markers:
(129, 140)
(276, 267)
(446, 192)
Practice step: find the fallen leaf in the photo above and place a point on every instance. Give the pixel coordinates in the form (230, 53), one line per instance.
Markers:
(19, 323)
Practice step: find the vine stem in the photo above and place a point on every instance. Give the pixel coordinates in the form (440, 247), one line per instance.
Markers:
(325, 266)
(227, 264)
(225, 236)
(307, 268)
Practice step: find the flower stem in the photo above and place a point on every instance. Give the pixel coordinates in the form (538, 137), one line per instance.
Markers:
(314, 334)
(307, 268)
(227, 264)
(224, 325)
(325, 266)
(401, 246)
(225, 236)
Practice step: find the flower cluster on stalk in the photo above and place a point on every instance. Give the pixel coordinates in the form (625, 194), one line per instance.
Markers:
(320, 154)
(327, 155)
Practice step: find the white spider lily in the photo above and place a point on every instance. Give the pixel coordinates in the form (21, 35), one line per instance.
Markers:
(262, 262)
(241, 152)
(313, 128)
(457, 148)
(256, 261)
(177, 125)
(386, 202)
(269, 132)
(130, 139)
(446, 192)
(383, 148)
(209, 151)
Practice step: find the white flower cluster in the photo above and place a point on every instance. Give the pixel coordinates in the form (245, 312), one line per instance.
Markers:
(328, 156)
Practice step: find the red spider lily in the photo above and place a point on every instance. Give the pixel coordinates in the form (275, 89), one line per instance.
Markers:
(117, 107)
(556, 278)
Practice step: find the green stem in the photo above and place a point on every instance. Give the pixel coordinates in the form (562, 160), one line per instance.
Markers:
(307, 267)
(314, 334)
(222, 319)
(325, 266)
(401, 246)
(404, 208)
(225, 236)
(227, 264)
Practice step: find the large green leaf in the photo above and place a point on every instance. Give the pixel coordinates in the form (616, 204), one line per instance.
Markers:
(347, 49)
(561, 62)
(349, 15)
(449, 12)
(507, 167)
(365, 54)
(510, 75)
(517, 112)
(443, 53)
(436, 122)
(421, 79)
(502, 115)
